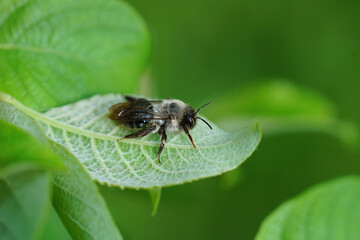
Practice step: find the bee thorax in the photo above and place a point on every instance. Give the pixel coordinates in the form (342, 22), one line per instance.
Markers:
(172, 126)
(174, 111)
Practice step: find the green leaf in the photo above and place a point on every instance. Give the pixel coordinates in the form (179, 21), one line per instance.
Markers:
(24, 188)
(24, 199)
(282, 107)
(18, 146)
(54, 52)
(328, 211)
(75, 196)
(85, 130)
(54, 228)
(78, 202)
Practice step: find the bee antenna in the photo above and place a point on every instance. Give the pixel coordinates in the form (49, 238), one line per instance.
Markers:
(205, 121)
(202, 107)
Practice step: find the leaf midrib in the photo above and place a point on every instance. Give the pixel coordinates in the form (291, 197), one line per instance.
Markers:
(51, 122)
(49, 51)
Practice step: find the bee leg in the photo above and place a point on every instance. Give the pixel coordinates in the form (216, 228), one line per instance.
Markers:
(143, 132)
(162, 144)
(188, 134)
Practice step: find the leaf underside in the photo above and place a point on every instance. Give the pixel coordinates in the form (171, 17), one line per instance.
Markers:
(84, 129)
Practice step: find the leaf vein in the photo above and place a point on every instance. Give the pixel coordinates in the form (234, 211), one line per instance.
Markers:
(100, 160)
(127, 164)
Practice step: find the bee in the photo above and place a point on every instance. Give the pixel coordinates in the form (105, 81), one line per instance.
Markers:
(159, 116)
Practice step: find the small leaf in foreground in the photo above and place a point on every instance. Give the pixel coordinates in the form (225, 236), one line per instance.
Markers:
(155, 195)
(84, 129)
(329, 211)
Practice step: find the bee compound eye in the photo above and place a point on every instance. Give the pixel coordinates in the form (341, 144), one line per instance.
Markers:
(189, 122)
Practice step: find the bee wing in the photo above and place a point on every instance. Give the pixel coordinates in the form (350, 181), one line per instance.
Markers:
(116, 110)
(134, 110)
(118, 106)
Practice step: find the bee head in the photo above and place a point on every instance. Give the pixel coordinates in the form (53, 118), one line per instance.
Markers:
(189, 119)
(190, 116)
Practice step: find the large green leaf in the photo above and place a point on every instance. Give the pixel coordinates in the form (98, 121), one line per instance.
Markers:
(54, 52)
(85, 130)
(325, 212)
(282, 107)
(24, 199)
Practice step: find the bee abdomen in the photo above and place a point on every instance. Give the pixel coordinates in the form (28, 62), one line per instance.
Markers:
(136, 124)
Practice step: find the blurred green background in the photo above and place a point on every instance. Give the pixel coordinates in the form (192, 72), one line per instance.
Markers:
(203, 50)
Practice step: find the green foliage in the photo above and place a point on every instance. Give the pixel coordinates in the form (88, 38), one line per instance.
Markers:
(24, 201)
(54, 52)
(276, 98)
(85, 130)
(75, 197)
(24, 187)
(20, 147)
(64, 50)
(53, 228)
(78, 202)
(281, 107)
(325, 212)
(61, 52)
(24, 183)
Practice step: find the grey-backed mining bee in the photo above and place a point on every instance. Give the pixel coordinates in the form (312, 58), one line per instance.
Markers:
(156, 116)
